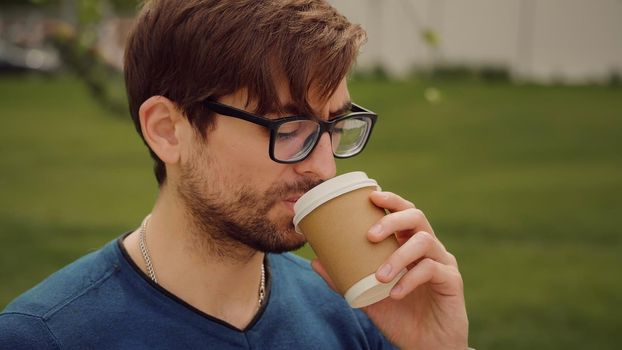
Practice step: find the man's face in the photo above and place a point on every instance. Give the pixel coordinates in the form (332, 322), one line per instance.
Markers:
(235, 193)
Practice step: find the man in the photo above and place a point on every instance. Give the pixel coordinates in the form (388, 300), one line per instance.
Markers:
(209, 83)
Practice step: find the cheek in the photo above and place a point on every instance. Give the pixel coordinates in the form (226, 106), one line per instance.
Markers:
(246, 157)
(240, 141)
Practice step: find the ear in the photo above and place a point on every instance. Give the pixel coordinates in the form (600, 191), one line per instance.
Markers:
(159, 119)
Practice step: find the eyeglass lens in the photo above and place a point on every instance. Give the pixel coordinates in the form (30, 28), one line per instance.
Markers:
(295, 139)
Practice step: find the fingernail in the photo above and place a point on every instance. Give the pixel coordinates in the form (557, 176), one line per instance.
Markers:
(381, 194)
(376, 229)
(385, 270)
(396, 290)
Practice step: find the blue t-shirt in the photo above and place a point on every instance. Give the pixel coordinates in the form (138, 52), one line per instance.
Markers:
(104, 301)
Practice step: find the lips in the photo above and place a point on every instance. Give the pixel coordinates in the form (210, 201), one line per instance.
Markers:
(293, 198)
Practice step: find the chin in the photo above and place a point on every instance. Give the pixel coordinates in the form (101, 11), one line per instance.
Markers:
(285, 238)
(292, 240)
(285, 241)
(296, 242)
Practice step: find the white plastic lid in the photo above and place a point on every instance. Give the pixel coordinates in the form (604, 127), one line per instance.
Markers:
(369, 290)
(328, 190)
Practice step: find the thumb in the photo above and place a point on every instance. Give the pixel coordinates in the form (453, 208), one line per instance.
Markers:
(316, 265)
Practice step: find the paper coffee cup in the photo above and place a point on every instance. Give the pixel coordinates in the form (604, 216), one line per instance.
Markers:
(335, 217)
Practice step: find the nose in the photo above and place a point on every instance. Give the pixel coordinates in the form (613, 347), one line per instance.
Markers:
(320, 163)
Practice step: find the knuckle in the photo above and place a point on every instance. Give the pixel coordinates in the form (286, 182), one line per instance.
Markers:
(452, 259)
(425, 238)
(428, 264)
(458, 280)
(428, 268)
(419, 215)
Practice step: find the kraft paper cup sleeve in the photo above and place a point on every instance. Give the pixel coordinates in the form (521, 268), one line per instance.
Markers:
(369, 290)
(328, 190)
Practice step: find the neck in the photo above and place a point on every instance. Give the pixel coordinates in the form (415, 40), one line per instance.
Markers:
(219, 278)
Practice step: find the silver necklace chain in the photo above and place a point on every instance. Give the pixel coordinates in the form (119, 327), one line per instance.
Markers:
(142, 243)
(143, 249)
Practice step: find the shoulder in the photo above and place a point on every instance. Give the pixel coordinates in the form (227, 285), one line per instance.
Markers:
(23, 331)
(66, 285)
(74, 300)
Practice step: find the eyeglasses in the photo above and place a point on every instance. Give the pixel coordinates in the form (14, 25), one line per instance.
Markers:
(293, 138)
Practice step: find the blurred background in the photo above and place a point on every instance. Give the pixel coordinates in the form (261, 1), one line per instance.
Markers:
(502, 120)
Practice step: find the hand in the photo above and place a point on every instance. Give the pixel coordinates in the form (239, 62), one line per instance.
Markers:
(426, 308)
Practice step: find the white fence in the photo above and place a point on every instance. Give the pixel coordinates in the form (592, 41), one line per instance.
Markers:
(542, 40)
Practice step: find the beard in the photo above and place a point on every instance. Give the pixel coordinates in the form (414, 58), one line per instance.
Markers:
(233, 219)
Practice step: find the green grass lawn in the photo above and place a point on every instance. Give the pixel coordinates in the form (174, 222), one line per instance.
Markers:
(522, 183)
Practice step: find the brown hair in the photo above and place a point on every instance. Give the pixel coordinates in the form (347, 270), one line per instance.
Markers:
(190, 50)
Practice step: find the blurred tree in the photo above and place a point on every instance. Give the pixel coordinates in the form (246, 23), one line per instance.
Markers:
(76, 38)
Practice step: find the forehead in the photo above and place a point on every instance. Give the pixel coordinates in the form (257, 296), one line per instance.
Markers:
(321, 107)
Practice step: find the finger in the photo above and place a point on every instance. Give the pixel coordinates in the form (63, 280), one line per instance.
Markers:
(390, 201)
(410, 220)
(442, 279)
(319, 269)
(421, 245)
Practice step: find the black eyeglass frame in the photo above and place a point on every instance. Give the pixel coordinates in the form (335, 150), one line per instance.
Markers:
(274, 124)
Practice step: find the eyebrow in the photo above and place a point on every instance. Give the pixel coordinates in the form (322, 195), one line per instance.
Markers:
(345, 107)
